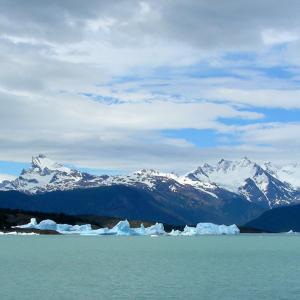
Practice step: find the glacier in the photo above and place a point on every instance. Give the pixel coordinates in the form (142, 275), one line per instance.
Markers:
(123, 228)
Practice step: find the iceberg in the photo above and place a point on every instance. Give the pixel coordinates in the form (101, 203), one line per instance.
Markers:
(43, 225)
(66, 228)
(189, 231)
(140, 230)
(123, 228)
(175, 233)
(18, 233)
(210, 228)
(31, 224)
(292, 232)
(156, 229)
(51, 225)
(46, 225)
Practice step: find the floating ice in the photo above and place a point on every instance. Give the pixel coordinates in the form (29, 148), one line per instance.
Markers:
(123, 229)
(175, 233)
(210, 228)
(189, 231)
(31, 224)
(47, 225)
(51, 225)
(141, 230)
(66, 228)
(157, 229)
(18, 233)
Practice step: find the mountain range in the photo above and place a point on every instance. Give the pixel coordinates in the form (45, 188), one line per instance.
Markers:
(228, 192)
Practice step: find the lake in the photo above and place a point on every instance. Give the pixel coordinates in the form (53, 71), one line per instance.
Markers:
(207, 267)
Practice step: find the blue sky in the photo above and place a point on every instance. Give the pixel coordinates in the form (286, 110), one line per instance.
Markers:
(113, 87)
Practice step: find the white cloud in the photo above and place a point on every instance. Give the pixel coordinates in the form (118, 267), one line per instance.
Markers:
(286, 99)
(6, 177)
(103, 24)
(284, 135)
(82, 130)
(273, 37)
(53, 51)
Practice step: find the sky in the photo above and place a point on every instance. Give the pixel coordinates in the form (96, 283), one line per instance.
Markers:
(116, 86)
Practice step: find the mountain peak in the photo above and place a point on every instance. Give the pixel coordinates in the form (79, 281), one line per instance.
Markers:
(207, 168)
(41, 162)
(245, 158)
(151, 172)
(223, 164)
(245, 161)
(223, 161)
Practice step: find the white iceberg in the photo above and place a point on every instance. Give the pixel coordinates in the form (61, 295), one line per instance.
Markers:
(51, 225)
(46, 225)
(292, 232)
(18, 233)
(43, 225)
(175, 233)
(156, 229)
(66, 228)
(210, 228)
(140, 230)
(31, 224)
(189, 231)
(123, 229)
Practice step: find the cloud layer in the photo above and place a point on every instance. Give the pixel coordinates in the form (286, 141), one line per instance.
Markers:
(96, 85)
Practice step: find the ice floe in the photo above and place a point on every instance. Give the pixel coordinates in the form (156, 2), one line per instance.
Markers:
(123, 229)
(292, 232)
(51, 225)
(210, 228)
(17, 233)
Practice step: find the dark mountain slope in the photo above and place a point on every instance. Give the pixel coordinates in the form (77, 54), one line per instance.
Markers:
(281, 219)
(14, 217)
(139, 204)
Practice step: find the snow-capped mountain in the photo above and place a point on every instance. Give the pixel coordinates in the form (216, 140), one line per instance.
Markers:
(267, 185)
(146, 194)
(289, 173)
(257, 184)
(45, 175)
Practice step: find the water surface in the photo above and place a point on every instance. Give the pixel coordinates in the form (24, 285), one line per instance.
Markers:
(207, 267)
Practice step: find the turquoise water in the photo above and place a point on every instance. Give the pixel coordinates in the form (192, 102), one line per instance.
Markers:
(208, 267)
